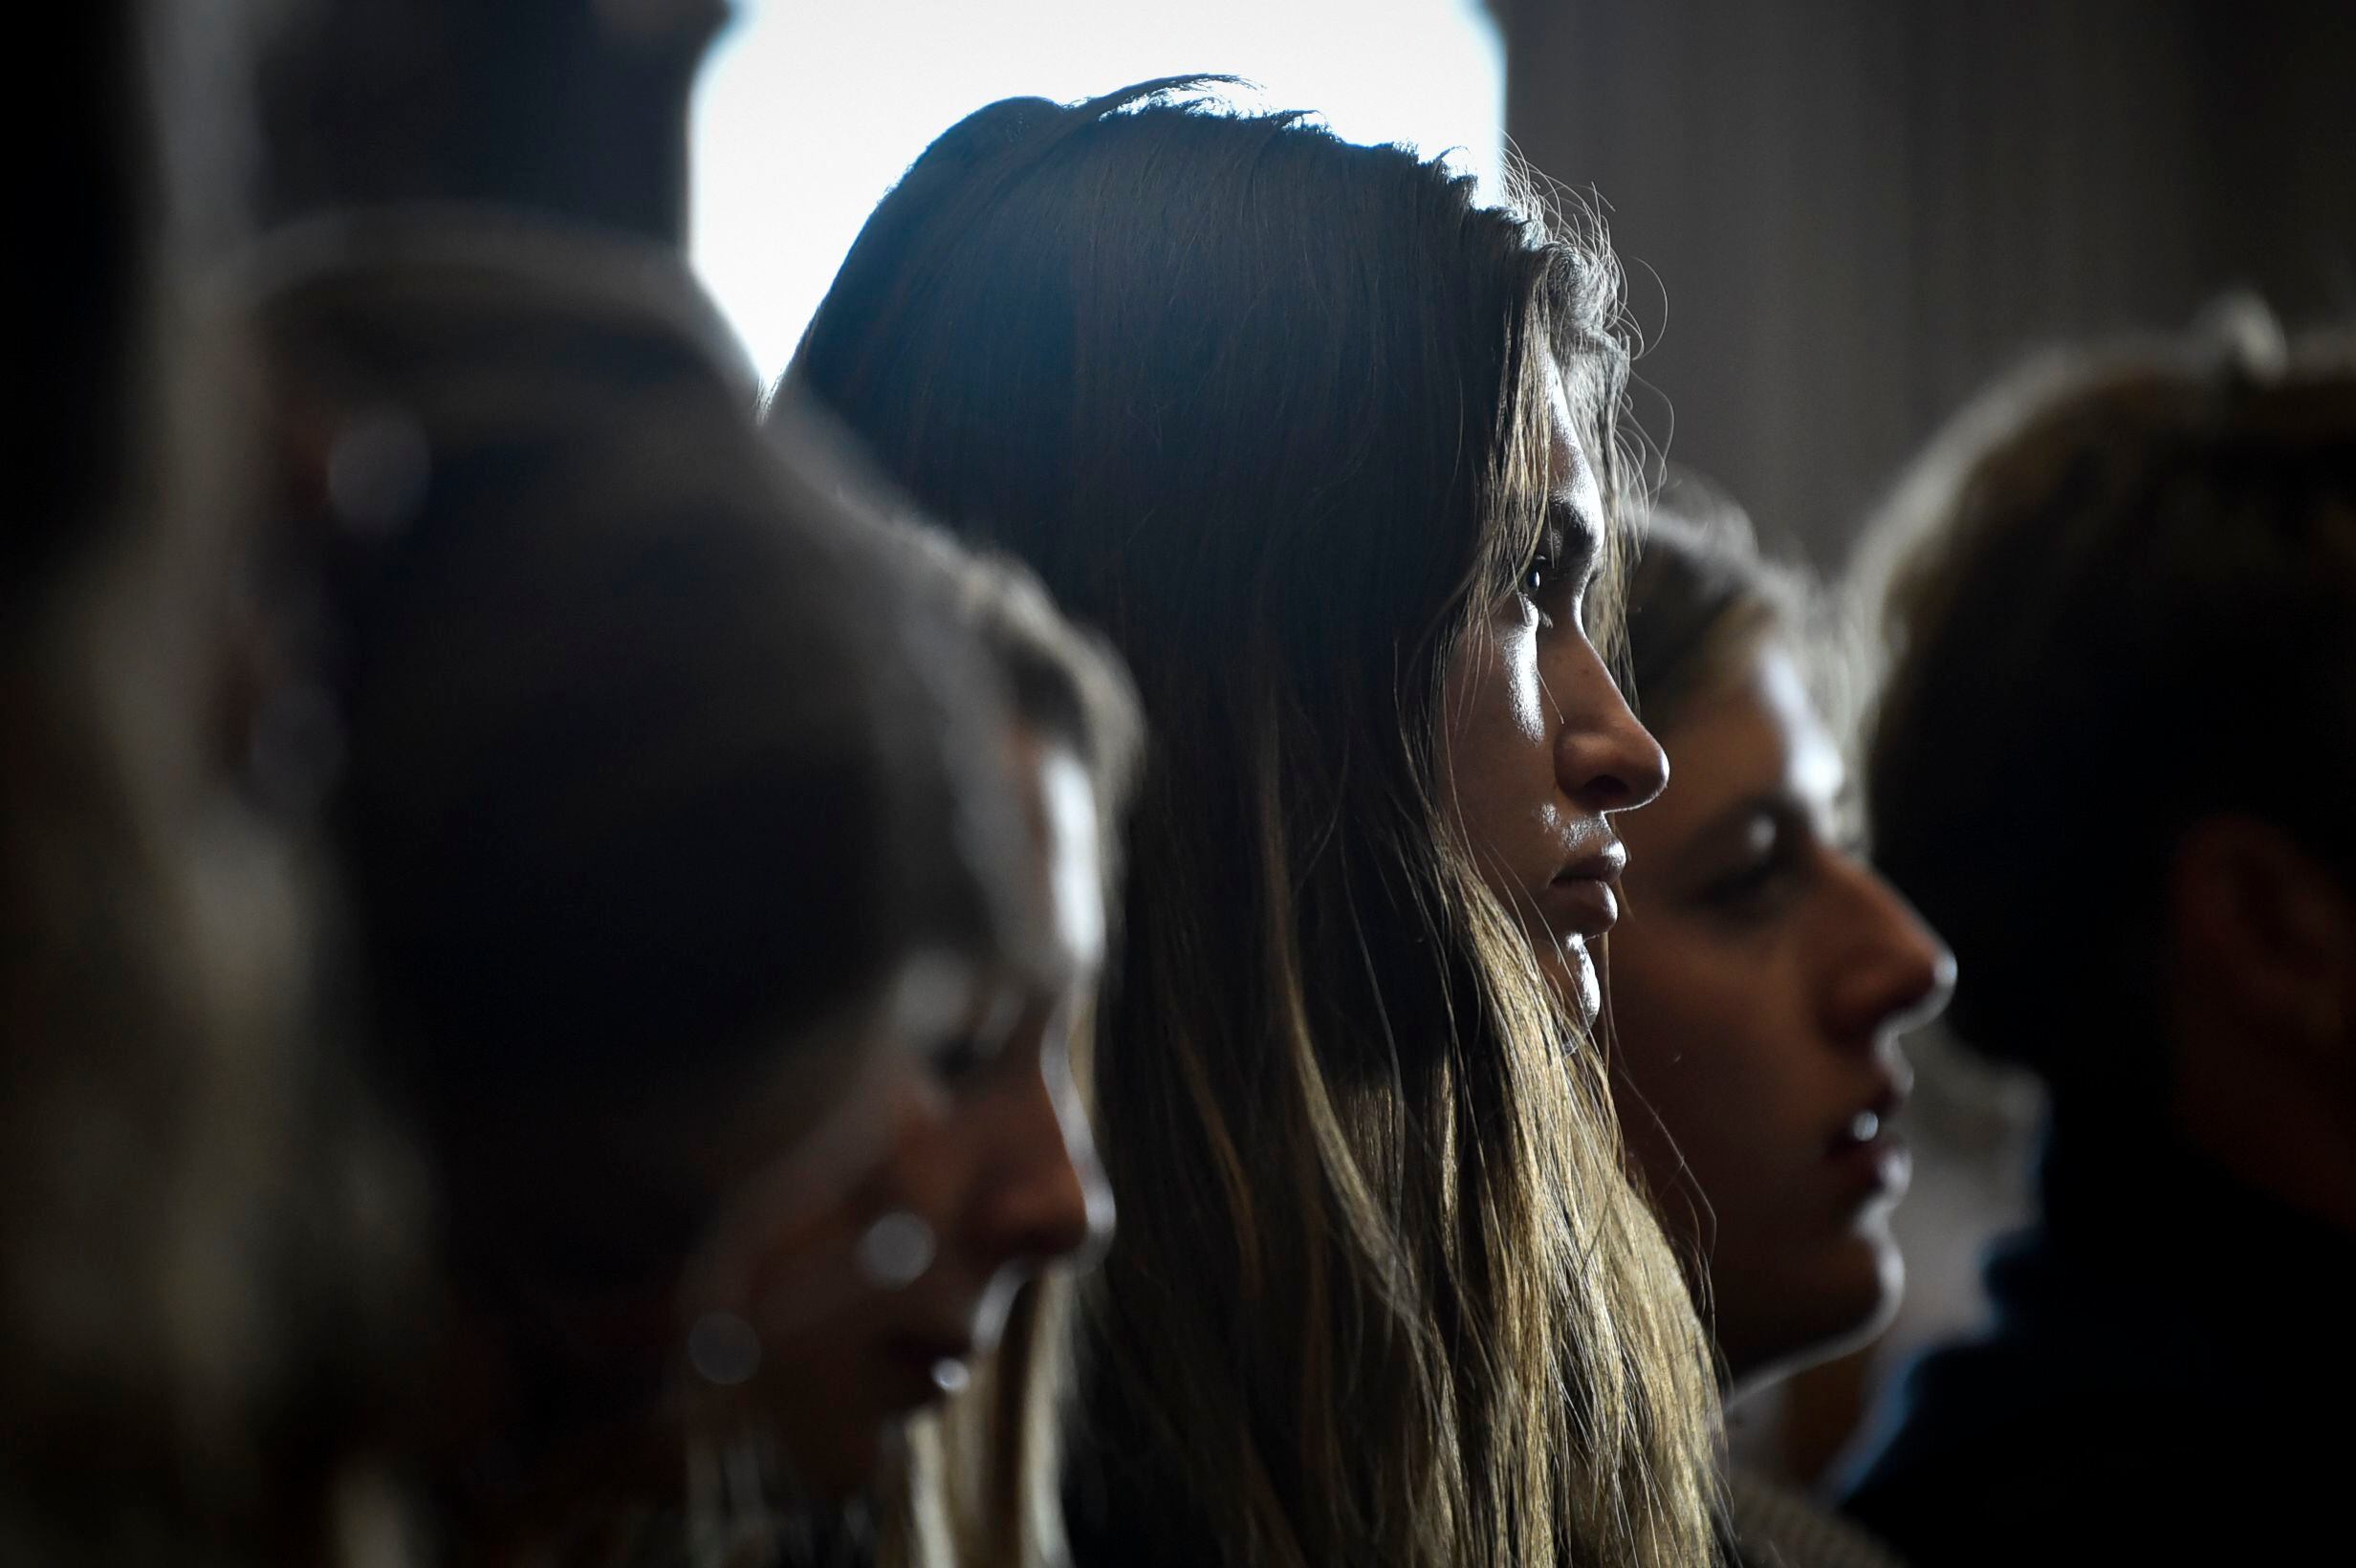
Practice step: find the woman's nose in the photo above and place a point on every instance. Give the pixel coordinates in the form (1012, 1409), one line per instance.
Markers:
(1605, 760)
(1050, 1201)
(1900, 974)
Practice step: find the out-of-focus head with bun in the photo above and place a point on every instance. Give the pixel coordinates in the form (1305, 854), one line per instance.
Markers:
(2118, 597)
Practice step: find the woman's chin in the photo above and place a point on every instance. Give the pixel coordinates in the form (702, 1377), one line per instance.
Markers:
(836, 1466)
(1853, 1303)
(1577, 982)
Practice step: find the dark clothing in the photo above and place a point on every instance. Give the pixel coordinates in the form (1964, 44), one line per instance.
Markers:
(2168, 1380)
(1111, 1518)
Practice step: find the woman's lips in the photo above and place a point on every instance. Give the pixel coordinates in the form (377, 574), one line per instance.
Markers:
(1583, 899)
(926, 1369)
(1581, 905)
(1871, 1149)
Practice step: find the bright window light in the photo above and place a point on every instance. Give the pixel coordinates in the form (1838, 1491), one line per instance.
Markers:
(810, 109)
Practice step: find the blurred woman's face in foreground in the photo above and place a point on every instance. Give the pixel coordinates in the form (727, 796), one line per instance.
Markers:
(851, 1316)
(1760, 977)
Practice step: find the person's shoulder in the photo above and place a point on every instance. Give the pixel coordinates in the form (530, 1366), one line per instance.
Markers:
(452, 283)
(1987, 1464)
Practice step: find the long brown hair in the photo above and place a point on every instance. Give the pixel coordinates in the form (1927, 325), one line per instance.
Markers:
(1268, 409)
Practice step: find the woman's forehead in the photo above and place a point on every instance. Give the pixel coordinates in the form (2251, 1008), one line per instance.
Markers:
(1755, 727)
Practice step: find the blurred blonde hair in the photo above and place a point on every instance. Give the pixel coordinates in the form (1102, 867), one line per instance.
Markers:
(984, 1483)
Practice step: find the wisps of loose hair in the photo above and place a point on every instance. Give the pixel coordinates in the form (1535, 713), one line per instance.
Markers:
(1269, 409)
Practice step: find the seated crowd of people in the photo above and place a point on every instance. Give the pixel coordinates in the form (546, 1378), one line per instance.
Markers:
(1164, 910)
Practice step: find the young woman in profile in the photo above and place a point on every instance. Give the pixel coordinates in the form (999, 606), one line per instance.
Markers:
(973, 1484)
(991, 1460)
(1327, 449)
(700, 895)
(1759, 975)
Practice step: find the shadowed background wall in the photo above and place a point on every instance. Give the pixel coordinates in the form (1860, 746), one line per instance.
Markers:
(1859, 209)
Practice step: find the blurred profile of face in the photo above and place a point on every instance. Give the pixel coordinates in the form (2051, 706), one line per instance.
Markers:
(1759, 980)
(874, 1306)
(1539, 748)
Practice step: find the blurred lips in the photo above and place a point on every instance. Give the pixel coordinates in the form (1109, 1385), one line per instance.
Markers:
(927, 1368)
(1870, 1146)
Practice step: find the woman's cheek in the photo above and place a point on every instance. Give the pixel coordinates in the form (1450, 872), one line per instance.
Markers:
(1525, 693)
(1496, 690)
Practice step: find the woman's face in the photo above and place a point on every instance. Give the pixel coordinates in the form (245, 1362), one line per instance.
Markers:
(1538, 750)
(1759, 980)
(874, 1307)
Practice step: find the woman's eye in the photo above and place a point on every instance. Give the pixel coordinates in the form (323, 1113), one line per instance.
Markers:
(1542, 584)
(1741, 889)
(957, 1060)
(969, 1056)
(1758, 885)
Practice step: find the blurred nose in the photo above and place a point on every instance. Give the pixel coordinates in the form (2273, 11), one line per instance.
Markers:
(1605, 760)
(1897, 974)
(1047, 1200)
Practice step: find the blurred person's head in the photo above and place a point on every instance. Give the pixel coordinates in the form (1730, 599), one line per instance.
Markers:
(971, 1199)
(1327, 449)
(683, 836)
(1761, 970)
(950, 1232)
(570, 108)
(2115, 751)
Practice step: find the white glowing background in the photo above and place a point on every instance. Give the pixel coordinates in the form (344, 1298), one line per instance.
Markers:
(810, 109)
